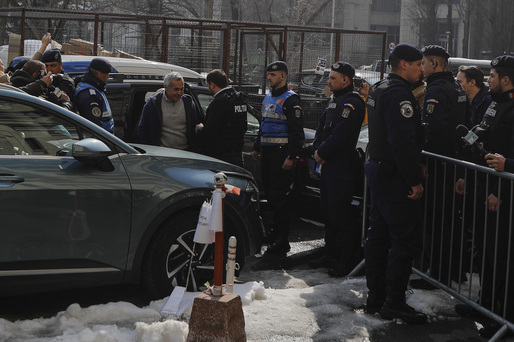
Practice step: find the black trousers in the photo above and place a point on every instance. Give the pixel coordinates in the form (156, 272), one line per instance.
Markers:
(443, 226)
(277, 184)
(394, 236)
(493, 236)
(342, 233)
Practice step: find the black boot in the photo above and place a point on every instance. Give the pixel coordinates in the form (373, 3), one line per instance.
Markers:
(270, 237)
(374, 301)
(339, 270)
(278, 248)
(396, 307)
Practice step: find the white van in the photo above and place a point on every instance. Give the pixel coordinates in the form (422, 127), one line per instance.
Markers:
(78, 64)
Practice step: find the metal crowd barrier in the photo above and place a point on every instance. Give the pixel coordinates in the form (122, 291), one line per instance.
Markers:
(465, 245)
(462, 239)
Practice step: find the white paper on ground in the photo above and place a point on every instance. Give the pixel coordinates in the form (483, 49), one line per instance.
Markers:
(172, 305)
(179, 300)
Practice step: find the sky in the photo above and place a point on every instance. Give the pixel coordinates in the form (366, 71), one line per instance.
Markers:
(295, 306)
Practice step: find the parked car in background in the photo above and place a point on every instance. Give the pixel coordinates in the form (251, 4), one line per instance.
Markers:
(455, 62)
(314, 84)
(81, 207)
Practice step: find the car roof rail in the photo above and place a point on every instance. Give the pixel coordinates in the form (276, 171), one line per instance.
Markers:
(116, 77)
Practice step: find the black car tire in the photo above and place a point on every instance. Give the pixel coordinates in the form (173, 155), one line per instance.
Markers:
(168, 261)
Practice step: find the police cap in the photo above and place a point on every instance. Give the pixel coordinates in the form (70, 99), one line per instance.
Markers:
(407, 52)
(505, 62)
(100, 64)
(52, 55)
(344, 68)
(435, 50)
(277, 66)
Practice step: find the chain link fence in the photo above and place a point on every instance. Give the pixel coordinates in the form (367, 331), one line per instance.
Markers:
(242, 49)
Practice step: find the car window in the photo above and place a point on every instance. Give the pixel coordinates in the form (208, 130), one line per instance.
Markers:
(309, 79)
(150, 94)
(205, 100)
(25, 130)
(252, 124)
(323, 81)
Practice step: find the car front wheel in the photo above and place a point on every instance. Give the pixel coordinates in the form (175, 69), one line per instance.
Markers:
(174, 259)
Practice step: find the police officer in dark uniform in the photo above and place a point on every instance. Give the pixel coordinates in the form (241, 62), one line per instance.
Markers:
(222, 136)
(61, 81)
(496, 132)
(334, 148)
(279, 142)
(445, 107)
(394, 175)
(90, 99)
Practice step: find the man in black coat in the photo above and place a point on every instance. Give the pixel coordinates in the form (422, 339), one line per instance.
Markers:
(496, 132)
(395, 180)
(334, 149)
(445, 107)
(222, 136)
(61, 81)
(32, 78)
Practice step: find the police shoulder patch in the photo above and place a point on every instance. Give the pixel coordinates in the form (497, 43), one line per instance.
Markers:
(297, 111)
(96, 111)
(407, 110)
(430, 108)
(346, 112)
(349, 105)
(92, 91)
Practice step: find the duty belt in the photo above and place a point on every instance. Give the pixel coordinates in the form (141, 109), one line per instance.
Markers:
(274, 140)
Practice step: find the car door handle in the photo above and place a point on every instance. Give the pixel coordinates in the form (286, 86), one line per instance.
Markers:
(9, 180)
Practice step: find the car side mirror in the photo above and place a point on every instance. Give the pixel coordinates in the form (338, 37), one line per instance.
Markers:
(93, 151)
(90, 150)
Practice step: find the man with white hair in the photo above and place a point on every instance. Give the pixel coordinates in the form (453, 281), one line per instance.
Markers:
(169, 118)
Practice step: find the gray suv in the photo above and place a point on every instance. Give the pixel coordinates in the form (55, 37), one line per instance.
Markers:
(81, 207)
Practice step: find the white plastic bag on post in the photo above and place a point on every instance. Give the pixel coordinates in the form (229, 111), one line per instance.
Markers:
(202, 233)
(216, 218)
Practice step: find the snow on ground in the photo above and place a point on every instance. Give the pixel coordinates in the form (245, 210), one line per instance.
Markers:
(278, 305)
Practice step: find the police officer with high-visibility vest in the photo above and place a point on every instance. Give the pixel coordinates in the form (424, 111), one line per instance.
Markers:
(279, 142)
(90, 99)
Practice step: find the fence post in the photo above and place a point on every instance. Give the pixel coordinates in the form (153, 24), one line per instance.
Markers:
(164, 42)
(226, 48)
(22, 38)
(95, 43)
